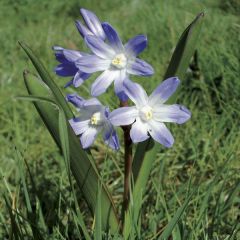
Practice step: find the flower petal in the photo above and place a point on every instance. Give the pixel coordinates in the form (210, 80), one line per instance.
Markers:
(93, 23)
(58, 51)
(71, 55)
(79, 78)
(140, 68)
(66, 69)
(79, 126)
(113, 37)
(75, 99)
(118, 85)
(110, 137)
(88, 137)
(82, 29)
(164, 91)
(89, 107)
(91, 102)
(123, 116)
(136, 45)
(103, 82)
(138, 132)
(99, 47)
(67, 55)
(136, 93)
(80, 102)
(57, 48)
(171, 113)
(160, 133)
(68, 83)
(92, 63)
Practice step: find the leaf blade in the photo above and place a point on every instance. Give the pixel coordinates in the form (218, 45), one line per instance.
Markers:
(184, 49)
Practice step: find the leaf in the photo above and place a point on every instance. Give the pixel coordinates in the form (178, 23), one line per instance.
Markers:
(203, 207)
(23, 180)
(98, 213)
(82, 167)
(46, 78)
(184, 49)
(15, 232)
(169, 228)
(146, 151)
(233, 193)
(78, 219)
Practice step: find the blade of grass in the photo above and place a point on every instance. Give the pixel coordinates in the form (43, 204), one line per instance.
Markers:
(231, 196)
(169, 228)
(15, 232)
(30, 213)
(78, 219)
(235, 231)
(23, 180)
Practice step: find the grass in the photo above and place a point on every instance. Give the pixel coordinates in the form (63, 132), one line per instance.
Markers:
(206, 150)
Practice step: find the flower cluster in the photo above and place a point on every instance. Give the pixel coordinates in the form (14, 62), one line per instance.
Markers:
(116, 62)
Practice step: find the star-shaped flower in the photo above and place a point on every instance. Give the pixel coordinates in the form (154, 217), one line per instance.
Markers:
(116, 60)
(93, 119)
(149, 113)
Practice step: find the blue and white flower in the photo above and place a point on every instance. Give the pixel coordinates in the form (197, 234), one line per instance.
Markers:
(68, 58)
(93, 120)
(149, 113)
(117, 61)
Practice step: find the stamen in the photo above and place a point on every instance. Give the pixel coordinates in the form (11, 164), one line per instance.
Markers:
(146, 113)
(97, 118)
(119, 61)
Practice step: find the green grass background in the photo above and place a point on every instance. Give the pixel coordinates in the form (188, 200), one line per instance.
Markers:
(206, 149)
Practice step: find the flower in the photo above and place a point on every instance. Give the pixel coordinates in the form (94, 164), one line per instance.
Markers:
(68, 58)
(67, 66)
(115, 60)
(93, 119)
(149, 113)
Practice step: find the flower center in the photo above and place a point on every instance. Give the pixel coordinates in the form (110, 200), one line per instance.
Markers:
(119, 61)
(97, 118)
(146, 113)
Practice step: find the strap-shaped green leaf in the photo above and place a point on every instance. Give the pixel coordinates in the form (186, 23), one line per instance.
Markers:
(46, 78)
(146, 151)
(82, 167)
(184, 49)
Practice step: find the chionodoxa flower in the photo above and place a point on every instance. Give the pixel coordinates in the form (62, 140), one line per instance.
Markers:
(149, 113)
(115, 60)
(93, 119)
(68, 58)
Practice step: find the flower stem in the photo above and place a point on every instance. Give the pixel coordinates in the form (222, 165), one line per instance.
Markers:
(127, 164)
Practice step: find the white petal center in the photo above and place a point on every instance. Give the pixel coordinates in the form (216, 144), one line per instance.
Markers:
(146, 113)
(119, 61)
(97, 118)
